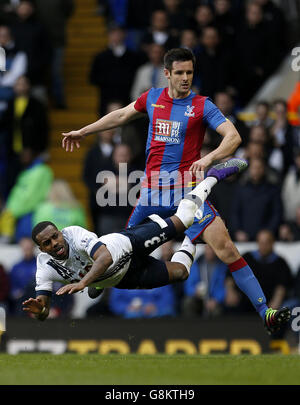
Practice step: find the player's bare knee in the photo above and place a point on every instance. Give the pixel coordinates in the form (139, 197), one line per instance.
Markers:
(178, 272)
(185, 274)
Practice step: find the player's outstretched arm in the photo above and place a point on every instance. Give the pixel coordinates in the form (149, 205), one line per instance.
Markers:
(39, 307)
(102, 262)
(114, 119)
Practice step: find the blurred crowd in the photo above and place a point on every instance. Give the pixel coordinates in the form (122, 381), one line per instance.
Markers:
(236, 52)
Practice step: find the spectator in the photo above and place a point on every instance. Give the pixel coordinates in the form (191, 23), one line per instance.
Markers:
(158, 32)
(188, 39)
(271, 270)
(30, 190)
(114, 187)
(54, 15)
(113, 11)
(108, 186)
(213, 64)
(138, 13)
(16, 66)
(282, 133)
(4, 288)
(225, 21)
(275, 18)
(61, 207)
(259, 133)
(22, 274)
(96, 160)
(262, 145)
(256, 204)
(31, 38)
(253, 150)
(232, 300)
(225, 102)
(158, 302)
(205, 289)
(291, 190)
(177, 16)
(99, 156)
(131, 134)
(25, 124)
(290, 231)
(255, 49)
(203, 17)
(262, 115)
(150, 74)
(256, 150)
(113, 70)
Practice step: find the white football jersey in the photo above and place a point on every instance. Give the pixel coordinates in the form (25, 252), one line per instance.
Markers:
(81, 242)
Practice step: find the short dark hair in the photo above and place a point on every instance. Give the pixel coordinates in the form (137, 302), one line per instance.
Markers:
(263, 103)
(39, 228)
(280, 101)
(178, 55)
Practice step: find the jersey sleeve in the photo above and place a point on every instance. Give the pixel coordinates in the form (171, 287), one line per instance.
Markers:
(141, 103)
(85, 240)
(212, 116)
(43, 278)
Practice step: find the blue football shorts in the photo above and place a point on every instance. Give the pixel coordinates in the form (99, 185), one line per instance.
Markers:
(164, 203)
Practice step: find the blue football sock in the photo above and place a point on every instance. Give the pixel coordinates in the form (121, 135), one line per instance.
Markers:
(248, 283)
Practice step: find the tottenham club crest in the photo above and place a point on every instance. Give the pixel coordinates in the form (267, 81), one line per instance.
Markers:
(189, 111)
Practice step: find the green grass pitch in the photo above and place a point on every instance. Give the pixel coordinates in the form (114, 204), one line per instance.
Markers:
(96, 369)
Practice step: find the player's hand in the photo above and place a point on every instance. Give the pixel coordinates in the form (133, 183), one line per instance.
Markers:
(33, 306)
(71, 139)
(71, 288)
(198, 168)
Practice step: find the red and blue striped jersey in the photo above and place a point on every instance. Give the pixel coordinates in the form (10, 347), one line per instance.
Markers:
(175, 134)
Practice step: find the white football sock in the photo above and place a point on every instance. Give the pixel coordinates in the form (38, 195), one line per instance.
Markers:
(186, 254)
(186, 212)
(203, 189)
(188, 207)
